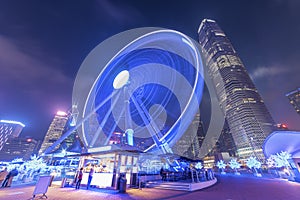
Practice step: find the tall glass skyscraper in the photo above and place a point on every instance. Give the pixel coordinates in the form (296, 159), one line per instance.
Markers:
(248, 118)
(55, 131)
(294, 98)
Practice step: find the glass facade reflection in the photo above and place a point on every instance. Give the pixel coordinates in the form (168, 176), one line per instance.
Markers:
(55, 131)
(294, 98)
(249, 120)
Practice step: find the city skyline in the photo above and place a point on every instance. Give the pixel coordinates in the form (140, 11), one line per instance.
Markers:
(42, 45)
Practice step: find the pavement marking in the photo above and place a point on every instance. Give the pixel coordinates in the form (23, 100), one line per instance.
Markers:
(14, 193)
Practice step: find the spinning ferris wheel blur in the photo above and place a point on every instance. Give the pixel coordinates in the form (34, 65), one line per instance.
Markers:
(145, 83)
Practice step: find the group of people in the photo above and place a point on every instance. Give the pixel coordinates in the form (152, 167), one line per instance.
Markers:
(7, 177)
(80, 175)
(206, 174)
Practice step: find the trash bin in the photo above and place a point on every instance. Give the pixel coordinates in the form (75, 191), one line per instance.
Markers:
(123, 183)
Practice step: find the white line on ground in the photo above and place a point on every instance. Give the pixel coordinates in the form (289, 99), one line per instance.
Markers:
(14, 193)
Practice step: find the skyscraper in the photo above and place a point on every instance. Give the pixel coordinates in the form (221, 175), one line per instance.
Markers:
(188, 144)
(18, 148)
(294, 98)
(225, 142)
(248, 118)
(55, 130)
(9, 129)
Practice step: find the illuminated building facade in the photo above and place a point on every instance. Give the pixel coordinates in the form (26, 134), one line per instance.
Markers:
(18, 148)
(294, 98)
(55, 130)
(225, 142)
(9, 129)
(189, 144)
(200, 132)
(248, 118)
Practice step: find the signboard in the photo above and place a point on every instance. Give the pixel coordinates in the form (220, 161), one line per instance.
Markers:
(99, 149)
(42, 185)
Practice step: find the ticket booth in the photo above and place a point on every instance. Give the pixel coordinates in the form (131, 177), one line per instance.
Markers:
(109, 166)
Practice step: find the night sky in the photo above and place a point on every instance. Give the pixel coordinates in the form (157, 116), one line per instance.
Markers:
(43, 43)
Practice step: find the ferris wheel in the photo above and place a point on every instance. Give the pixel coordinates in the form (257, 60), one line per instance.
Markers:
(143, 83)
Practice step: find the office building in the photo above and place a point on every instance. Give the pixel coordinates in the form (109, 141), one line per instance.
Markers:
(225, 143)
(9, 129)
(55, 130)
(18, 148)
(248, 118)
(294, 98)
(188, 145)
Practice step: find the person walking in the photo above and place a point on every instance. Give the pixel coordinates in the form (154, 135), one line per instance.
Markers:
(79, 178)
(163, 174)
(9, 177)
(13, 173)
(3, 175)
(91, 173)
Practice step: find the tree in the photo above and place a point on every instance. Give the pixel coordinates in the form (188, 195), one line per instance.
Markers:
(281, 160)
(253, 163)
(221, 165)
(198, 165)
(235, 165)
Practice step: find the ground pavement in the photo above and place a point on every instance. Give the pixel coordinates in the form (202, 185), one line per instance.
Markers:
(229, 187)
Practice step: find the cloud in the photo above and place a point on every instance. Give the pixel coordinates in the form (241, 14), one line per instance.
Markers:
(23, 67)
(119, 13)
(263, 72)
(273, 82)
(29, 75)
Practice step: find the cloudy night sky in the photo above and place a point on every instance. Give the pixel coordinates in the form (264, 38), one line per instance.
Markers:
(43, 43)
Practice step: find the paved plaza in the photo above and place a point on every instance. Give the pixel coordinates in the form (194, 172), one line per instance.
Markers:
(229, 187)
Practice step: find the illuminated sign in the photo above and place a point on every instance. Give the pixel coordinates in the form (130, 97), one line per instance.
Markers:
(12, 122)
(99, 149)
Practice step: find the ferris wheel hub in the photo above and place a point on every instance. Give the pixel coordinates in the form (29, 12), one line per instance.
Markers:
(121, 79)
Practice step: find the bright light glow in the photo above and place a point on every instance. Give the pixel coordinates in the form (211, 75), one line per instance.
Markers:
(252, 162)
(121, 79)
(234, 164)
(199, 165)
(129, 133)
(61, 113)
(73, 122)
(281, 159)
(12, 122)
(221, 164)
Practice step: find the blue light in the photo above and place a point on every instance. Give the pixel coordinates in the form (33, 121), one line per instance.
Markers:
(12, 122)
(150, 94)
(129, 133)
(149, 80)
